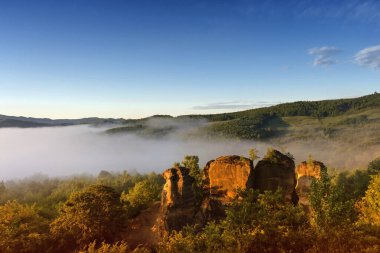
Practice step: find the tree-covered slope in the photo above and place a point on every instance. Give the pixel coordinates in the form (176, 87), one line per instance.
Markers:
(302, 119)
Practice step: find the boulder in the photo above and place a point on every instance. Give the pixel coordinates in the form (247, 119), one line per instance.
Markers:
(178, 200)
(225, 175)
(306, 172)
(274, 171)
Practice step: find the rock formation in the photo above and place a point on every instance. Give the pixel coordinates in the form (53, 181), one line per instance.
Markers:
(275, 171)
(221, 180)
(306, 172)
(226, 174)
(178, 201)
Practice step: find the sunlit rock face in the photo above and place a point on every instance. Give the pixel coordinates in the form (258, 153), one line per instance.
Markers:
(178, 200)
(274, 171)
(222, 178)
(225, 175)
(306, 172)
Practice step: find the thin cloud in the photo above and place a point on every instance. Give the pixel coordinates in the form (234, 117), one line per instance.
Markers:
(324, 56)
(355, 10)
(369, 57)
(234, 105)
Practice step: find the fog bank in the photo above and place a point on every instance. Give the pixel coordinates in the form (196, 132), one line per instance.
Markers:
(62, 151)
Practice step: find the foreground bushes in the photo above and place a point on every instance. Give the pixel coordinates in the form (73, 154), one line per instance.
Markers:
(89, 215)
(22, 229)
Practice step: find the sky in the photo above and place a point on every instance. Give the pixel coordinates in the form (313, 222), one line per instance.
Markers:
(132, 59)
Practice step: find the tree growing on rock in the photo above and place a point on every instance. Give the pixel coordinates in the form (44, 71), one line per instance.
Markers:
(253, 154)
(192, 162)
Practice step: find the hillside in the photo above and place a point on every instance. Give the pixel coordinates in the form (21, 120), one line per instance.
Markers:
(341, 118)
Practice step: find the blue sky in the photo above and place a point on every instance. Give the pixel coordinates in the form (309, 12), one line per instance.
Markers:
(130, 59)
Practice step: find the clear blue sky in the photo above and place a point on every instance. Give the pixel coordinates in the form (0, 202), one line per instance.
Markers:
(130, 59)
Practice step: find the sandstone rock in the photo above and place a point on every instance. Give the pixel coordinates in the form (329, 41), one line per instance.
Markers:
(226, 174)
(306, 172)
(274, 171)
(178, 201)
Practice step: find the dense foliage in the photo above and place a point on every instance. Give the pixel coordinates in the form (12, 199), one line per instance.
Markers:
(41, 214)
(141, 195)
(95, 213)
(369, 205)
(89, 214)
(22, 229)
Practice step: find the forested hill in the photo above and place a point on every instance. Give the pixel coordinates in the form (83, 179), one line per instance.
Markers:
(329, 116)
(323, 108)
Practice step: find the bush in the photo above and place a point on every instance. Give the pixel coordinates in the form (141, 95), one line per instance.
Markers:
(95, 213)
(369, 205)
(118, 247)
(140, 196)
(22, 229)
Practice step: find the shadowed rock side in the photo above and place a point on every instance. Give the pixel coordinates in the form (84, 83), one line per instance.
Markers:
(306, 172)
(275, 171)
(178, 203)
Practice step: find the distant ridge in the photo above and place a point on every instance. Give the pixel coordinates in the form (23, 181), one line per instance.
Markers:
(26, 122)
(257, 123)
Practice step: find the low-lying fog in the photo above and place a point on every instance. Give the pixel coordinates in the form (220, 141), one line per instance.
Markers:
(62, 151)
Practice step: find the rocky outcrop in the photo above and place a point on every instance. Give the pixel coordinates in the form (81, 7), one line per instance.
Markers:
(178, 201)
(222, 178)
(306, 172)
(225, 175)
(275, 171)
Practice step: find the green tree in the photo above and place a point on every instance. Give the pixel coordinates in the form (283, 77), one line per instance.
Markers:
(253, 154)
(140, 196)
(192, 162)
(374, 166)
(369, 205)
(331, 205)
(22, 229)
(95, 213)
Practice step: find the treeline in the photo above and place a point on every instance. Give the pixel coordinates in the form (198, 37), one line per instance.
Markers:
(319, 109)
(91, 214)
